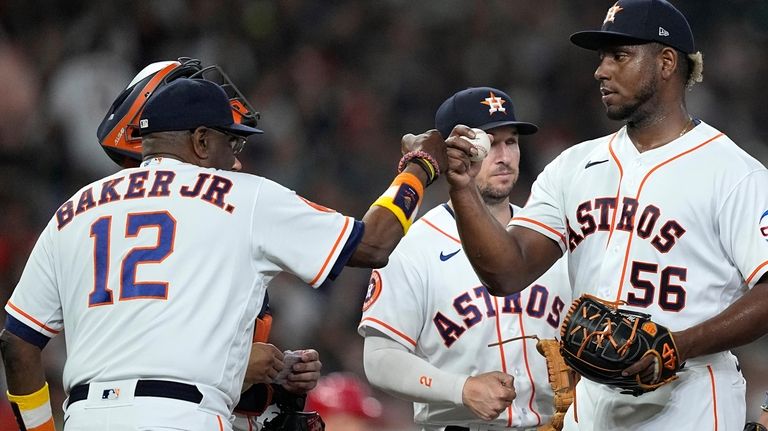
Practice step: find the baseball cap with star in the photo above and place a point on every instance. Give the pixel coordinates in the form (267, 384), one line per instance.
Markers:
(484, 108)
(632, 22)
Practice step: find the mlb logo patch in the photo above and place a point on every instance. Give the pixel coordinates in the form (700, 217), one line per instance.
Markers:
(110, 394)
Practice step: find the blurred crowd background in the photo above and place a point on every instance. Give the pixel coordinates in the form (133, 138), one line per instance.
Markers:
(337, 84)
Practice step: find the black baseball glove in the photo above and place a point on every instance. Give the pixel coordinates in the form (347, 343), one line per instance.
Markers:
(291, 416)
(295, 421)
(599, 340)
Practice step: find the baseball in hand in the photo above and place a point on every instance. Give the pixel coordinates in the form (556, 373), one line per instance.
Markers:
(483, 144)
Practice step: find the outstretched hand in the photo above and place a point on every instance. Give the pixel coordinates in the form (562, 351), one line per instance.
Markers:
(487, 395)
(265, 362)
(305, 373)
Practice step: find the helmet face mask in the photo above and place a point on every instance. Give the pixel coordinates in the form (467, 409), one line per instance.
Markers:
(242, 111)
(118, 132)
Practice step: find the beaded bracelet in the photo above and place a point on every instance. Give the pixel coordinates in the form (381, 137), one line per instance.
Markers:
(424, 160)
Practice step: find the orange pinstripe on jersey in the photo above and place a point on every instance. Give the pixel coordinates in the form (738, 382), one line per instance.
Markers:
(440, 230)
(575, 407)
(388, 326)
(317, 206)
(40, 324)
(756, 271)
(528, 370)
(637, 198)
(333, 250)
(542, 225)
(499, 337)
(503, 356)
(618, 188)
(714, 396)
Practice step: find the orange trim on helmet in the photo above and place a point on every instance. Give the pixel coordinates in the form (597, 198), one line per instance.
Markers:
(239, 111)
(122, 135)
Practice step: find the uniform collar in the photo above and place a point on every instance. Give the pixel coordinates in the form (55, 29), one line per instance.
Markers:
(160, 161)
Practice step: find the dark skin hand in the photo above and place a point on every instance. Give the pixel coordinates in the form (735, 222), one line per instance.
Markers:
(507, 260)
(382, 229)
(264, 363)
(24, 370)
(305, 373)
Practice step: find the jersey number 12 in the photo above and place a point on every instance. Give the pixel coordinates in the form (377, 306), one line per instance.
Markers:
(129, 287)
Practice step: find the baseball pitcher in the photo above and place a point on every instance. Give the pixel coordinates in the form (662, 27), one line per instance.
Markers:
(665, 217)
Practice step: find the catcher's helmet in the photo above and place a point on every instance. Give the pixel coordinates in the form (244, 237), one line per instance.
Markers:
(118, 132)
(342, 393)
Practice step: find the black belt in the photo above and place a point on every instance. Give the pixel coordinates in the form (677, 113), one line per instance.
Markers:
(455, 428)
(147, 388)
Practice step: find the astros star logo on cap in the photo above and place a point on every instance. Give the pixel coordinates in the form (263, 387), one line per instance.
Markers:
(495, 103)
(611, 15)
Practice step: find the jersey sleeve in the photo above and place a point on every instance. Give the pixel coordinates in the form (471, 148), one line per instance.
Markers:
(743, 226)
(34, 309)
(394, 304)
(299, 236)
(544, 211)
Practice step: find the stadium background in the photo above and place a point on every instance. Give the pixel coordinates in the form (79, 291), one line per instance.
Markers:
(337, 84)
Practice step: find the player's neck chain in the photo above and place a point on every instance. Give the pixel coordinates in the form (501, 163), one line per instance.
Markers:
(687, 127)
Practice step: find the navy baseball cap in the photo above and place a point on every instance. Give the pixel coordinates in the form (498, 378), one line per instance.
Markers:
(633, 22)
(483, 108)
(186, 104)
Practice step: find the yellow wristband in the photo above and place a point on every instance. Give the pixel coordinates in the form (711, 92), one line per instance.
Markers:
(403, 198)
(34, 410)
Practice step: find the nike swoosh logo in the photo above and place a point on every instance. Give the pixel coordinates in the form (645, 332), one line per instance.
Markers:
(445, 257)
(590, 164)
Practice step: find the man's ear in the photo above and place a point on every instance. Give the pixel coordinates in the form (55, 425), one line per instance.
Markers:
(669, 60)
(199, 143)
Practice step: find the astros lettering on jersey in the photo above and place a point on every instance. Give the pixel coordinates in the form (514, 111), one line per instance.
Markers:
(429, 299)
(677, 232)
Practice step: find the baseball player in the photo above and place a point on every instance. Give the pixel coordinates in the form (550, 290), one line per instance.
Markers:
(158, 272)
(428, 321)
(666, 214)
(123, 145)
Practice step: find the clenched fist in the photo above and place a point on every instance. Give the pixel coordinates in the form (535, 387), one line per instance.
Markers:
(487, 395)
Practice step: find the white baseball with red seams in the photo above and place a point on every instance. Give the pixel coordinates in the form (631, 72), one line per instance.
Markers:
(482, 143)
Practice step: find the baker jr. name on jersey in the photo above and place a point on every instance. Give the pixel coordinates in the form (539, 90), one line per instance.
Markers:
(208, 187)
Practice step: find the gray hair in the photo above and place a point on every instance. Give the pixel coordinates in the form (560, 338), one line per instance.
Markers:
(695, 69)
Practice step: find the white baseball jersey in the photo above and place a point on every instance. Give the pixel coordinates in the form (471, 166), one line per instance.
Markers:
(429, 299)
(679, 232)
(159, 272)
